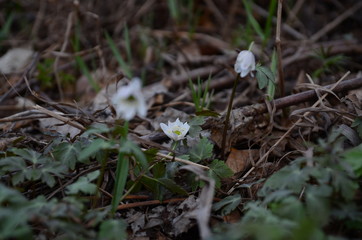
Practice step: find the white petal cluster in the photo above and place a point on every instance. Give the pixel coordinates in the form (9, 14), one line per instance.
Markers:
(175, 130)
(245, 63)
(128, 101)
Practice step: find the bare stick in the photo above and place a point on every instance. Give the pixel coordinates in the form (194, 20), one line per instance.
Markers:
(64, 46)
(336, 21)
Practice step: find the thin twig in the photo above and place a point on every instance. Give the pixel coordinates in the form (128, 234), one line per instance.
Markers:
(70, 21)
(284, 136)
(336, 22)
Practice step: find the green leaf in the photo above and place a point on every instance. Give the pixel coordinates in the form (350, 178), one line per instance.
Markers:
(42, 167)
(96, 128)
(201, 151)
(271, 90)
(195, 124)
(353, 157)
(221, 169)
(93, 148)
(264, 75)
(316, 198)
(121, 178)
(128, 147)
(290, 177)
(83, 184)
(262, 79)
(172, 186)
(28, 154)
(358, 124)
(122, 63)
(67, 153)
(113, 229)
(228, 204)
(252, 20)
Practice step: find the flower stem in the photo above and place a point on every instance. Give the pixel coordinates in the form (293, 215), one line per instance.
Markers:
(227, 118)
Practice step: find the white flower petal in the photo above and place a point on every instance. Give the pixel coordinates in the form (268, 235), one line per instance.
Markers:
(175, 130)
(245, 63)
(129, 101)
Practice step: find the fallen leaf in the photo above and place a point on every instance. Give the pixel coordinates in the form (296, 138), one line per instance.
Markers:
(204, 203)
(15, 60)
(239, 160)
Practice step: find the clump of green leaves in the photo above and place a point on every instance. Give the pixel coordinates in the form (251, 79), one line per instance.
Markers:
(305, 198)
(67, 162)
(328, 62)
(201, 98)
(263, 33)
(66, 219)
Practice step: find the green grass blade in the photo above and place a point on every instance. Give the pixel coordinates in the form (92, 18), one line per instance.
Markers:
(269, 20)
(121, 178)
(174, 10)
(128, 44)
(85, 71)
(124, 66)
(252, 20)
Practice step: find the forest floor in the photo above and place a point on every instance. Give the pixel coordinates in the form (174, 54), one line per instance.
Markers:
(288, 165)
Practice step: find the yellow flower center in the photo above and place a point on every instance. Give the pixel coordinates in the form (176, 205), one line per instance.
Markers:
(177, 132)
(131, 98)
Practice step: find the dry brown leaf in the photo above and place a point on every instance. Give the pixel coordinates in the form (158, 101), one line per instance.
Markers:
(233, 217)
(239, 160)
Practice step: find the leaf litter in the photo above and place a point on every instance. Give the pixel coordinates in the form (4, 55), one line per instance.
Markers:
(50, 119)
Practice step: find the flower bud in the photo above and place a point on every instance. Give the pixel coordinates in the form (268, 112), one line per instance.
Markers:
(245, 63)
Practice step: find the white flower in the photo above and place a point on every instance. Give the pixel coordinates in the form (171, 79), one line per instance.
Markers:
(245, 63)
(129, 101)
(175, 130)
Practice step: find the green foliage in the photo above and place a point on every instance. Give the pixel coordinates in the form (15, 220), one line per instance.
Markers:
(5, 29)
(266, 78)
(195, 126)
(328, 63)
(305, 198)
(219, 170)
(201, 151)
(80, 62)
(353, 157)
(60, 219)
(121, 178)
(201, 99)
(68, 153)
(26, 164)
(228, 204)
(122, 63)
(358, 125)
(83, 184)
(174, 9)
(264, 34)
(113, 229)
(94, 147)
(12, 211)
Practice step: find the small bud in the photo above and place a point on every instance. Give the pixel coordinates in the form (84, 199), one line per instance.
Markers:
(245, 63)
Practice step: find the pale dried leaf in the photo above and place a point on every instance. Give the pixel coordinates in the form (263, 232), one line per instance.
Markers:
(15, 60)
